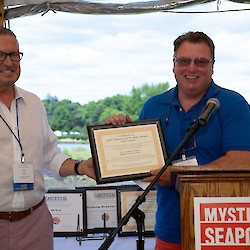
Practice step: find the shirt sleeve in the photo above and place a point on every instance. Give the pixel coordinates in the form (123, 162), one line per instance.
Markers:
(235, 122)
(53, 157)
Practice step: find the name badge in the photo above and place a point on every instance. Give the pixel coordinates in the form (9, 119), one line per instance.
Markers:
(190, 161)
(23, 176)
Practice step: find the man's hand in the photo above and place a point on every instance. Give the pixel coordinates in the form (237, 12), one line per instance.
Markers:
(118, 120)
(163, 181)
(87, 167)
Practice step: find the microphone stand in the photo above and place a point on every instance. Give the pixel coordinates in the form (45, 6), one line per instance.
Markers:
(140, 199)
(139, 217)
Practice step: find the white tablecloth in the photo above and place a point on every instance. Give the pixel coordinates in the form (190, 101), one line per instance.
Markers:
(119, 243)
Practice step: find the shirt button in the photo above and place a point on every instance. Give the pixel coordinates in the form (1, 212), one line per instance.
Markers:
(180, 109)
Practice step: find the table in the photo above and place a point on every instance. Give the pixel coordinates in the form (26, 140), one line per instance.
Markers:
(119, 243)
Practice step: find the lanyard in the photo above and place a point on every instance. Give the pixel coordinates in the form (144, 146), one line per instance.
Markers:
(18, 133)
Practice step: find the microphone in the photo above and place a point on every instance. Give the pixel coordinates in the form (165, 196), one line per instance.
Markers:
(212, 105)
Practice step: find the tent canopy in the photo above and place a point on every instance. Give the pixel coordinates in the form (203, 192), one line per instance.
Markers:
(20, 8)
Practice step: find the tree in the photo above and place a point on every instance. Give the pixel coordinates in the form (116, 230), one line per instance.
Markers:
(50, 103)
(108, 112)
(67, 116)
(138, 96)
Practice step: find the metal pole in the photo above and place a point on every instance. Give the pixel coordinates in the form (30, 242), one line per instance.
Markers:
(1, 13)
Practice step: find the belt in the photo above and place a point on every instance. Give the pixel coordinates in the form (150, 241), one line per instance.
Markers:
(15, 216)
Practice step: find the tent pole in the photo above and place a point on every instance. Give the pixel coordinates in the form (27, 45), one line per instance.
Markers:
(1, 13)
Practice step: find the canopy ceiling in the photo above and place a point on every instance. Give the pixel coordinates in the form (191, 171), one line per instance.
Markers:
(19, 8)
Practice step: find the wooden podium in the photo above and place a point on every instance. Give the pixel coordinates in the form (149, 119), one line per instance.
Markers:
(206, 181)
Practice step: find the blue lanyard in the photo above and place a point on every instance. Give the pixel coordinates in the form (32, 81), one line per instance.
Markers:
(18, 133)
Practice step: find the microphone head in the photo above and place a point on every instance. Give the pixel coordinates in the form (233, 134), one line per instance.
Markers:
(212, 105)
(214, 101)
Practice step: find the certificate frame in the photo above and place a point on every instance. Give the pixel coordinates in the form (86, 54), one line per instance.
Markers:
(100, 209)
(127, 152)
(126, 198)
(67, 210)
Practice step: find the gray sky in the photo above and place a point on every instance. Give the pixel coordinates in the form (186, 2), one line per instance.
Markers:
(89, 57)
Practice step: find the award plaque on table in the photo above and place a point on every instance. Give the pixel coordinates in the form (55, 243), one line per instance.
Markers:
(101, 209)
(66, 208)
(127, 152)
(126, 198)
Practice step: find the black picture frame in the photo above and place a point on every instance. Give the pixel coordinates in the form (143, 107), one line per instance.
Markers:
(127, 152)
(126, 197)
(100, 209)
(67, 210)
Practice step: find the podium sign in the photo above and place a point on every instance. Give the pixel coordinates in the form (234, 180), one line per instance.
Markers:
(208, 182)
(222, 223)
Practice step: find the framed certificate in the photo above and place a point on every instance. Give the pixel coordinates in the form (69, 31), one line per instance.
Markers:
(126, 199)
(101, 209)
(66, 208)
(127, 152)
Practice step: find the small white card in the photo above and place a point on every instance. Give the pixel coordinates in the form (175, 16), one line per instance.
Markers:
(190, 161)
(23, 176)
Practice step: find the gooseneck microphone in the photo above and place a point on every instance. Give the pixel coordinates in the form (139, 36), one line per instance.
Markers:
(212, 105)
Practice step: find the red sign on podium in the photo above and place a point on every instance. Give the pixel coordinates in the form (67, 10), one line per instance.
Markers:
(222, 223)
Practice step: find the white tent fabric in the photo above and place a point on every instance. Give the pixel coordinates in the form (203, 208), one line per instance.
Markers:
(19, 8)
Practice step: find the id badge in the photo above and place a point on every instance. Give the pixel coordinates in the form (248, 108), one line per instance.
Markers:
(190, 161)
(23, 176)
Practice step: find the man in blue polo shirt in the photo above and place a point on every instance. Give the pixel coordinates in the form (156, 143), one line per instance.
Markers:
(225, 140)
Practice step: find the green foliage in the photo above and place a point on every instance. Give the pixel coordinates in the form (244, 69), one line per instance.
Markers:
(138, 96)
(67, 116)
(62, 115)
(78, 153)
(108, 112)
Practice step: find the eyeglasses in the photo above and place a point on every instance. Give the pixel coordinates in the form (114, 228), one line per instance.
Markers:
(14, 56)
(199, 62)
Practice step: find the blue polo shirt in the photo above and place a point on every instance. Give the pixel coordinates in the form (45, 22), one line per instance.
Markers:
(228, 129)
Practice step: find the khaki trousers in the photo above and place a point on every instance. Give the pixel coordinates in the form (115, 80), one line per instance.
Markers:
(34, 232)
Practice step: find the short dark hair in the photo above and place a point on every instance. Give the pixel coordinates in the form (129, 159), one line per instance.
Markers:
(194, 37)
(5, 31)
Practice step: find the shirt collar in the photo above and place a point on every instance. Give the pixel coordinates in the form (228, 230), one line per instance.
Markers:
(18, 93)
(212, 91)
